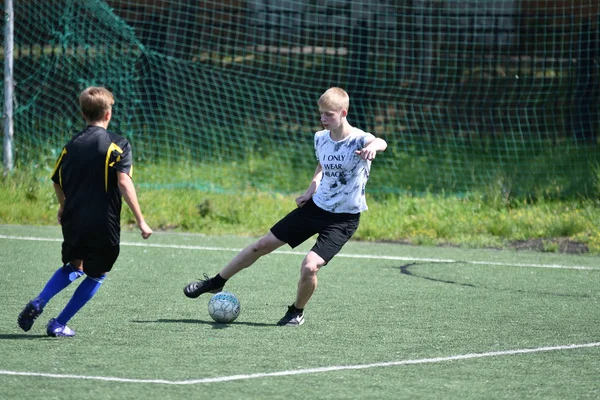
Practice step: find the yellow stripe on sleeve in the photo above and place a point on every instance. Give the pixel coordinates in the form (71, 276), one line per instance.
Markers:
(111, 148)
(62, 154)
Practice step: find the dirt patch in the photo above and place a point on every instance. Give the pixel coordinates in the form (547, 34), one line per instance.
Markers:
(560, 245)
(556, 245)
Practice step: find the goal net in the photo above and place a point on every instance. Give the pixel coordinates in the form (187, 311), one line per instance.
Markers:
(471, 96)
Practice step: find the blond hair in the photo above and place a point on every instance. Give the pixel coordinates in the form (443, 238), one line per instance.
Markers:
(94, 102)
(334, 98)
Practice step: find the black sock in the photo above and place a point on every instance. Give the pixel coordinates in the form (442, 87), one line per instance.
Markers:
(296, 309)
(219, 281)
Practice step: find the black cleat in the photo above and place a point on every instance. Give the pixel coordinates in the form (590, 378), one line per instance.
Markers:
(292, 318)
(197, 288)
(31, 311)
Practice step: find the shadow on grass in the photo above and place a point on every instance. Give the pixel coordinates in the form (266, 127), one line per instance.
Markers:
(408, 270)
(215, 325)
(25, 336)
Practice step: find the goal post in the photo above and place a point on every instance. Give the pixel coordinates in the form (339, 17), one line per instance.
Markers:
(7, 113)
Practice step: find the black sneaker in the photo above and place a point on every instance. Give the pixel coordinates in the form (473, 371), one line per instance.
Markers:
(292, 318)
(197, 288)
(31, 311)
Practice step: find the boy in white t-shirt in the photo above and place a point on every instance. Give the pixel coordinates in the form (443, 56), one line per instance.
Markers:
(330, 207)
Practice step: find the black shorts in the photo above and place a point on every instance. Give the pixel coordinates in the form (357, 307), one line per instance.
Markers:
(96, 260)
(334, 229)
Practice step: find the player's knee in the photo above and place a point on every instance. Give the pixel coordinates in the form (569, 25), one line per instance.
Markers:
(309, 269)
(312, 262)
(262, 247)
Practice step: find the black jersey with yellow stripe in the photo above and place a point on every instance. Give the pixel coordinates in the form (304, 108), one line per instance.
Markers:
(86, 170)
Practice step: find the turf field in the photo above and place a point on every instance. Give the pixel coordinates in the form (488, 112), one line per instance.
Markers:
(387, 322)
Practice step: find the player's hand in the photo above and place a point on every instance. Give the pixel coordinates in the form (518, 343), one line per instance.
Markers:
(302, 199)
(146, 231)
(366, 154)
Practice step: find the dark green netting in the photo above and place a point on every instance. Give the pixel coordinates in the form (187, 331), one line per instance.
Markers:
(470, 95)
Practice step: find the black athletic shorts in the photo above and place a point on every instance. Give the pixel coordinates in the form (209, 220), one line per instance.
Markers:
(334, 229)
(96, 260)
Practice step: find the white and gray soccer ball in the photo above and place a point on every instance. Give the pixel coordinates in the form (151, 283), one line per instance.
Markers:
(224, 307)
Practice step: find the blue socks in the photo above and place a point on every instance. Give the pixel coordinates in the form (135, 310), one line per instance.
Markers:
(60, 280)
(86, 290)
(63, 278)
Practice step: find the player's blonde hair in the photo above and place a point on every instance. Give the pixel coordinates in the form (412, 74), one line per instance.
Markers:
(334, 98)
(94, 102)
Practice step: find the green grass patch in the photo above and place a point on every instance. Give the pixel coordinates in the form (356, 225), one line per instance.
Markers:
(376, 303)
(190, 198)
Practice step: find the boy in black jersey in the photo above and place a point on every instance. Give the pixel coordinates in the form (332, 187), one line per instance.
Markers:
(91, 177)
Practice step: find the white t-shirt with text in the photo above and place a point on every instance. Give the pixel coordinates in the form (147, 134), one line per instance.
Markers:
(345, 174)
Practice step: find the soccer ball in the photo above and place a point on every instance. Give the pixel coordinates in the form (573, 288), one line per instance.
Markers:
(224, 307)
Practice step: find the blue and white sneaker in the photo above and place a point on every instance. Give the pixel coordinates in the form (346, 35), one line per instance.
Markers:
(27, 317)
(56, 329)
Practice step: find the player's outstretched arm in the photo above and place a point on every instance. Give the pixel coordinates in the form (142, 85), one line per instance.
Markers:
(370, 150)
(130, 197)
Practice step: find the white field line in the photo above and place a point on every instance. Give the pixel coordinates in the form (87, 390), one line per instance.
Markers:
(340, 255)
(306, 370)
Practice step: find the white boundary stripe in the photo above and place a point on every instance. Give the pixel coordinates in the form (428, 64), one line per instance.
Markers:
(307, 370)
(340, 255)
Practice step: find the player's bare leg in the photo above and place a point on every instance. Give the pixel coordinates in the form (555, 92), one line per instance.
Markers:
(306, 287)
(243, 259)
(250, 254)
(308, 278)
